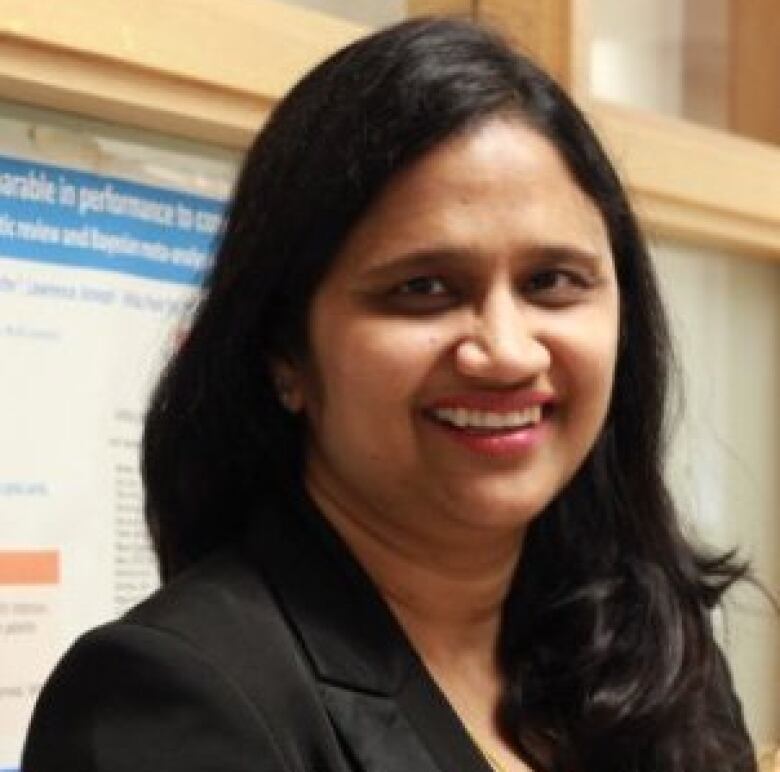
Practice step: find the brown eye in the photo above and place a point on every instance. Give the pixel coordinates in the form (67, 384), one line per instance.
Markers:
(427, 286)
(556, 286)
(422, 295)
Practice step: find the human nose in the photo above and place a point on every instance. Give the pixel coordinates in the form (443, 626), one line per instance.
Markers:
(505, 345)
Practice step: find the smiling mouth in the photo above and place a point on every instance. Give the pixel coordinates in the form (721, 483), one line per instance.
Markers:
(488, 421)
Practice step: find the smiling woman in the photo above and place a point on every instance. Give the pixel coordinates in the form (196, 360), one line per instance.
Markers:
(477, 289)
(404, 475)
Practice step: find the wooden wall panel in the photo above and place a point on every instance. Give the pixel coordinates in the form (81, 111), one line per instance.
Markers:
(211, 72)
(706, 62)
(447, 7)
(553, 32)
(262, 45)
(754, 88)
(196, 68)
(694, 183)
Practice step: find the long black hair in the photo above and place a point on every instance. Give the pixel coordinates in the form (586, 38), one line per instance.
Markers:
(606, 642)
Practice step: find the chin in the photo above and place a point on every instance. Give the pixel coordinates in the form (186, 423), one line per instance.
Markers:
(505, 510)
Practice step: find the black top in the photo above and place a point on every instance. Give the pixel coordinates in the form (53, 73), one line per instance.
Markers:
(274, 655)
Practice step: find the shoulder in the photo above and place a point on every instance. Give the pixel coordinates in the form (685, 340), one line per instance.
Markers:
(195, 678)
(221, 605)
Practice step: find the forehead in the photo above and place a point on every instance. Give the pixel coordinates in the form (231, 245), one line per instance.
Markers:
(501, 187)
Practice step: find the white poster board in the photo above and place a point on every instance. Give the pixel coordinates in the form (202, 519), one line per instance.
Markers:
(97, 276)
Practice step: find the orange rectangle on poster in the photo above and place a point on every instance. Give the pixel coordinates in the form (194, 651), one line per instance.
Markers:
(29, 567)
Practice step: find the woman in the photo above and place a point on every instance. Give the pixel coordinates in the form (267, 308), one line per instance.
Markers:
(404, 476)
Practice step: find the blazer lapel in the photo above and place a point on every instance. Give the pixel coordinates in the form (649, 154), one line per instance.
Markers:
(383, 703)
(376, 731)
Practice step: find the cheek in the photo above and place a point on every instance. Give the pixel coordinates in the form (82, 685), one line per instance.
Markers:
(595, 386)
(370, 377)
(586, 358)
(370, 367)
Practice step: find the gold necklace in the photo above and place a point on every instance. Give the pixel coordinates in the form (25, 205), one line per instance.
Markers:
(489, 757)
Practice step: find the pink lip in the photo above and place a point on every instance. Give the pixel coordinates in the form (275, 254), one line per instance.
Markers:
(500, 442)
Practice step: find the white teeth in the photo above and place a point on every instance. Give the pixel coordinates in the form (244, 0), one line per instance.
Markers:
(488, 419)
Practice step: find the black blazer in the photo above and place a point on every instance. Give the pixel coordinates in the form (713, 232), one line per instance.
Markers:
(277, 655)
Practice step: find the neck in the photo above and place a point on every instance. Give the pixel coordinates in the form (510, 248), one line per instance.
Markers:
(447, 594)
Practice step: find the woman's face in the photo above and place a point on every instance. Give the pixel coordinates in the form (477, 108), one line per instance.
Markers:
(462, 347)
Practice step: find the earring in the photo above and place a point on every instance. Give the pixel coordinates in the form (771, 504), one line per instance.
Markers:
(287, 395)
(286, 398)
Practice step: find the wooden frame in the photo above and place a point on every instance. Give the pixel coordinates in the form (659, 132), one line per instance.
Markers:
(696, 184)
(690, 182)
(192, 68)
(211, 71)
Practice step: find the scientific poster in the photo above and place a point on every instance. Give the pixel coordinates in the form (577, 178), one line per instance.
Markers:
(97, 277)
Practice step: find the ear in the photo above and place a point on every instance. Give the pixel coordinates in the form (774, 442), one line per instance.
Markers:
(289, 389)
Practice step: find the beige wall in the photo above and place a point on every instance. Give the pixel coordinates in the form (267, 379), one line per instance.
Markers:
(725, 310)
(726, 316)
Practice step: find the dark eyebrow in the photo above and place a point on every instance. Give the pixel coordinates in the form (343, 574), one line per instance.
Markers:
(429, 258)
(554, 252)
(423, 259)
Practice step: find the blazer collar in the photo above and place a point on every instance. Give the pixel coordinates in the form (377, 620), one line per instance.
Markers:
(373, 683)
(344, 626)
